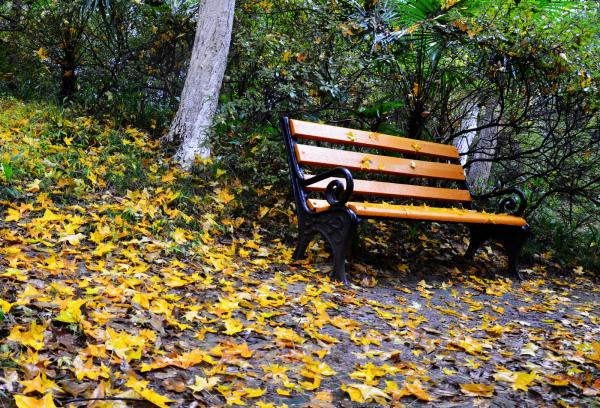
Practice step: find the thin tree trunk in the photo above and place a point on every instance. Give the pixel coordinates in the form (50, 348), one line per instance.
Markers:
(463, 142)
(479, 171)
(200, 95)
(68, 65)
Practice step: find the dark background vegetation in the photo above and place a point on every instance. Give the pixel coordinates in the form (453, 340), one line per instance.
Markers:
(415, 68)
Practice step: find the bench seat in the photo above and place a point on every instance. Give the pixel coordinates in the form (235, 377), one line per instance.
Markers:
(421, 212)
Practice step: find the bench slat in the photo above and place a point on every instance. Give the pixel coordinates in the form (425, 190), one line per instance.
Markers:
(325, 157)
(423, 213)
(385, 189)
(340, 135)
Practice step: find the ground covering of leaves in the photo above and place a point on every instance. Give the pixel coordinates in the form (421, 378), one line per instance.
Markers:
(151, 297)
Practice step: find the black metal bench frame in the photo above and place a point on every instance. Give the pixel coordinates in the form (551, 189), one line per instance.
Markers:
(338, 224)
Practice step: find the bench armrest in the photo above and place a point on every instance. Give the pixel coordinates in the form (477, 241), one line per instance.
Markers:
(337, 194)
(514, 204)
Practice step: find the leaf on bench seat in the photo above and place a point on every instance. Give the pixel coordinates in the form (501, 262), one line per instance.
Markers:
(365, 163)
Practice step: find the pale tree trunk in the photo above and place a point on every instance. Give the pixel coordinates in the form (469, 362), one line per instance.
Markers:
(200, 95)
(463, 142)
(479, 171)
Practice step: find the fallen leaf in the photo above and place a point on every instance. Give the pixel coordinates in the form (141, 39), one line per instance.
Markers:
(480, 390)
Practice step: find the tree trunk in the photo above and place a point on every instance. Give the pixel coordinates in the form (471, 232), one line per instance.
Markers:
(200, 95)
(463, 142)
(479, 171)
(68, 65)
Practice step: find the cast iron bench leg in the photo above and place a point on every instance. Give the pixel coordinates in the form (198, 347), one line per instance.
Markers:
(478, 237)
(511, 238)
(338, 227)
(304, 239)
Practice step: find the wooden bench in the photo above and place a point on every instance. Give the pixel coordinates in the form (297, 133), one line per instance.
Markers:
(407, 161)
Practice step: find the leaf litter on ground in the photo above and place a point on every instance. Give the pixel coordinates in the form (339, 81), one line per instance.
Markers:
(113, 297)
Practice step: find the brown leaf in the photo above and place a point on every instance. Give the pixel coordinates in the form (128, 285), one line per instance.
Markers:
(174, 384)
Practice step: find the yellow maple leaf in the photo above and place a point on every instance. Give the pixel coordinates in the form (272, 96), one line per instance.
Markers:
(311, 386)
(368, 373)
(34, 186)
(286, 56)
(234, 398)
(254, 392)
(529, 349)
(319, 367)
(233, 326)
(472, 363)
(558, 380)
(102, 231)
(288, 335)
(13, 215)
(5, 306)
(42, 54)
(495, 330)
(31, 402)
(168, 178)
(179, 236)
(203, 383)
(365, 163)
(72, 313)
(470, 345)
(39, 384)
(275, 372)
(417, 390)
(34, 337)
(223, 196)
(480, 390)
(141, 387)
(89, 370)
(523, 380)
(365, 393)
(103, 249)
(73, 239)
(49, 216)
(124, 344)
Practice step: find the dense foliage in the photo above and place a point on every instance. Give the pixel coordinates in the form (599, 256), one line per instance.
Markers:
(514, 83)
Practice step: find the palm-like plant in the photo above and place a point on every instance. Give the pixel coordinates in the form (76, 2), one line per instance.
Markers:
(449, 57)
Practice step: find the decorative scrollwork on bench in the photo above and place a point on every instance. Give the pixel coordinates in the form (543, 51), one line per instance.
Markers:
(514, 204)
(337, 193)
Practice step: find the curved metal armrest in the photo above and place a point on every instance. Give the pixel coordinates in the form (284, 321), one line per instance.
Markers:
(515, 204)
(337, 194)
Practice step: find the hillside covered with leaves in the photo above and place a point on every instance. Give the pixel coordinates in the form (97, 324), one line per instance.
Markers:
(512, 83)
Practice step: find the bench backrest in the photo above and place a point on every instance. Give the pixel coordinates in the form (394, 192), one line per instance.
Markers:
(420, 159)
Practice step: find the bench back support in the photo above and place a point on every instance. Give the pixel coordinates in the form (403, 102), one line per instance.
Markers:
(421, 160)
(296, 174)
(361, 138)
